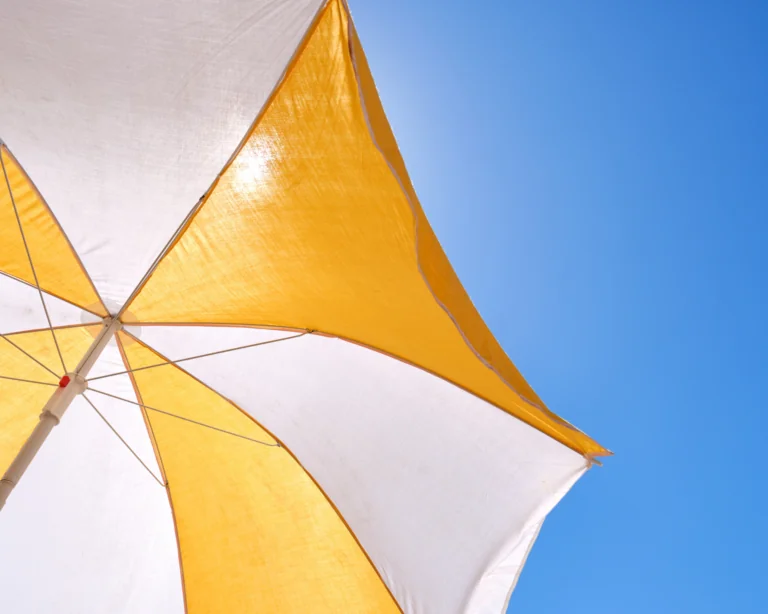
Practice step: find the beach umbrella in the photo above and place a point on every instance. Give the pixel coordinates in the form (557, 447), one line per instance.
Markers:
(237, 372)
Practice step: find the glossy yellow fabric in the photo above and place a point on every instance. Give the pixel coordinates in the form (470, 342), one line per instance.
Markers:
(20, 403)
(58, 269)
(256, 535)
(315, 226)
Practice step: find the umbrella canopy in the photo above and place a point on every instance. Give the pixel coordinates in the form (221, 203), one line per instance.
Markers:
(270, 391)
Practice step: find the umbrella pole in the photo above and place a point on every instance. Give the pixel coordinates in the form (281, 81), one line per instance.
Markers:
(70, 386)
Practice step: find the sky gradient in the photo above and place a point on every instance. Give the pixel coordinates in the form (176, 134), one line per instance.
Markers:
(597, 172)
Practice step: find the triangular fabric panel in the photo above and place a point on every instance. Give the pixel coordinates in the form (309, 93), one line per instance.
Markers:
(314, 225)
(58, 268)
(278, 544)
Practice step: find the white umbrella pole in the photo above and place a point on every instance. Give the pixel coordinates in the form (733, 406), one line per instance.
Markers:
(70, 386)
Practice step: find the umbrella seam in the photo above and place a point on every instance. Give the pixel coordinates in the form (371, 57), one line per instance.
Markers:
(161, 466)
(53, 294)
(317, 332)
(41, 330)
(189, 218)
(551, 415)
(29, 256)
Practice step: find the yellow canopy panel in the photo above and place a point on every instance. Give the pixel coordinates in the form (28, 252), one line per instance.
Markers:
(336, 241)
(58, 268)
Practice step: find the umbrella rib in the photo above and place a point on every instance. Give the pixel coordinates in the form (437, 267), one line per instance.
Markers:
(125, 443)
(28, 355)
(167, 413)
(175, 362)
(27, 381)
(31, 264)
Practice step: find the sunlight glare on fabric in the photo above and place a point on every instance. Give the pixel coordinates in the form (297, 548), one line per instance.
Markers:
(253, 166)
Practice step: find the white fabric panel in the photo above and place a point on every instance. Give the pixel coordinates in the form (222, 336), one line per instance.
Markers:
(493, 592)
(87, 530)
(21, 309)
(443, 490)
(123, 113)
(497, 581)
(125, 417)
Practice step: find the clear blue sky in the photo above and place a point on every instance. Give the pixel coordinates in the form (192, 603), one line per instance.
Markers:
(598, 173)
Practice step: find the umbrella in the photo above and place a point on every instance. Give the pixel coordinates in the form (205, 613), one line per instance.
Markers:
(237, 371)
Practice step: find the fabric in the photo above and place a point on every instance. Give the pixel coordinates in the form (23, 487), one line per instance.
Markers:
(333, 241)
(124, 112)
(248, 515)
(407, 458)
(57, 267)
(21, 402)
(339, 430)
(87, 530)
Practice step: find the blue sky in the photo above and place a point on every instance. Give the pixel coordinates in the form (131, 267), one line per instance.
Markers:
(598, 174)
